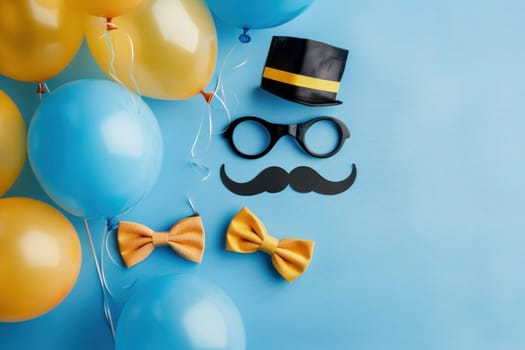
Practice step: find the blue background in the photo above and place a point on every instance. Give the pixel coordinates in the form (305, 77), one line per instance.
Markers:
(425, 251)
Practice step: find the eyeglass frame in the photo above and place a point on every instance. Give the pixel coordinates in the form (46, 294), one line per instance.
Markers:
(297, 131)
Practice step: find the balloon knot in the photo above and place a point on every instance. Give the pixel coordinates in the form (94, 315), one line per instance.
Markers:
(208, 96)
(41, 88)
(244, 37)
(110, 25)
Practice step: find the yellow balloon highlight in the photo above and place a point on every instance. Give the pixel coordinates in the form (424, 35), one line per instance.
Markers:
(108, 9)
(12, 142)
(38, 38)
(40, 258)
(169, 47)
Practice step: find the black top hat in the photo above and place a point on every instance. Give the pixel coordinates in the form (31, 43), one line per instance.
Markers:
(304, 71)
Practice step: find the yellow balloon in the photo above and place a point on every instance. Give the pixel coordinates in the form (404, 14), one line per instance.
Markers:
(38, 38)
(172, 50)
(40, 258)
(12, 142)
(108, 8)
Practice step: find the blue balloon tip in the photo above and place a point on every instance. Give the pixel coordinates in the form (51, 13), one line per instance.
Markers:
(244, 37)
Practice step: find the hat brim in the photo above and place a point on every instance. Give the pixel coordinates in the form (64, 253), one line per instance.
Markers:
(311, 101)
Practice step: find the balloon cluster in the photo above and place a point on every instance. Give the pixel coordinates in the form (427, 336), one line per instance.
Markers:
(96, 148)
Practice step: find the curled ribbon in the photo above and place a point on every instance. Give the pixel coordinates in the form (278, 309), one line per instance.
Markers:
(137, 241)
(247, 234)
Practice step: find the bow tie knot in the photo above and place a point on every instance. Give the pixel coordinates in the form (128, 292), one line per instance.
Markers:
(160, 238)
(247, 234)
(137, 241)
(269, 244)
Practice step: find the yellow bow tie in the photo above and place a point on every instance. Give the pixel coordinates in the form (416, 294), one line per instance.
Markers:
(247, 234)
(137, 241)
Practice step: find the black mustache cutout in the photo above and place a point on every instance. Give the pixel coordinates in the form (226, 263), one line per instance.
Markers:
(275, 179)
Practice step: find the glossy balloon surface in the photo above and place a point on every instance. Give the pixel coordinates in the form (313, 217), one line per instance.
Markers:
(12, 142)
(95, 147)
(180, 312)
(105, 8)
(258, 14)
(40, 258)
(168, 47)
(38, 38)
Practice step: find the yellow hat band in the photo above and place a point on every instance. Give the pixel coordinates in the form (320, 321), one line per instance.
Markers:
(300, 80)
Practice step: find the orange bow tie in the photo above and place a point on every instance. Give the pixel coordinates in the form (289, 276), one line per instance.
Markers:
(247, 234)
(136, 241)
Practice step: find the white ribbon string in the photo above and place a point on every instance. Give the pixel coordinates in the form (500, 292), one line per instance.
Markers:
(111, 68)
(106, 293)
(190, 202)
(197, 165)
(42, 89)
(219, 95)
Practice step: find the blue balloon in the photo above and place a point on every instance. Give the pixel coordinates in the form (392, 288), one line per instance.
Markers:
(95, 147)
(258, 14)
(179, 312)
